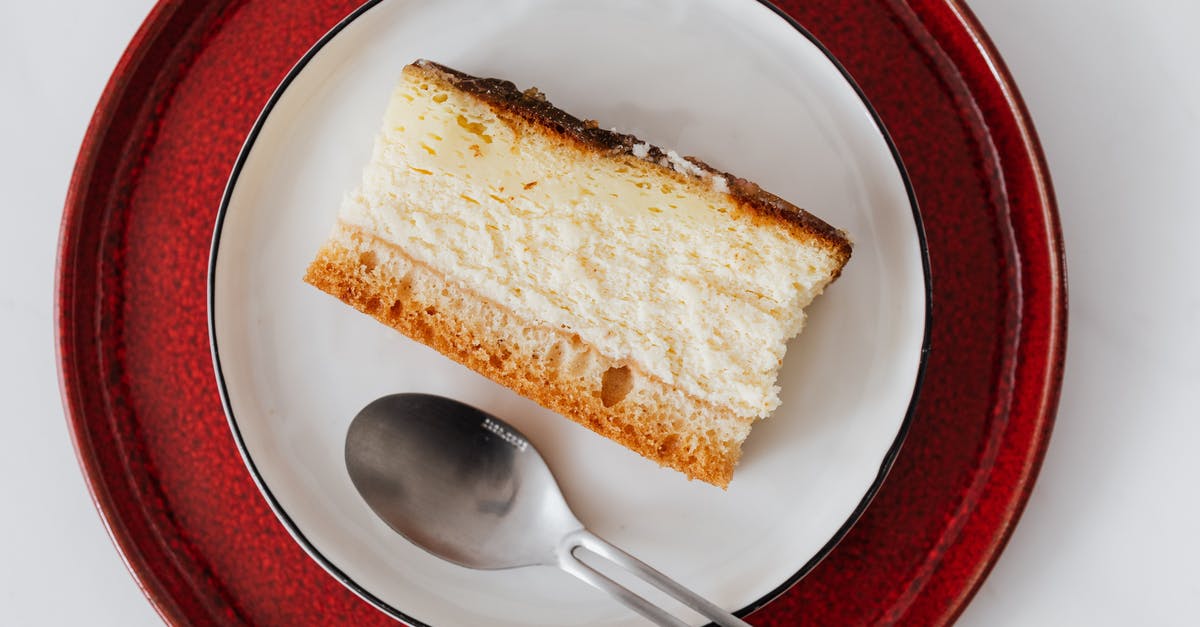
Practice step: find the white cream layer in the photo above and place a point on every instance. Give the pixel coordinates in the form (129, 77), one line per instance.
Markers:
(645, 271)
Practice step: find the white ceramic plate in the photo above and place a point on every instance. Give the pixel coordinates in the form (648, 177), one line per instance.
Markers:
(729, 81)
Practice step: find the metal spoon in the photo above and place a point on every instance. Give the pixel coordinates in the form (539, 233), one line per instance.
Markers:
(467, 487)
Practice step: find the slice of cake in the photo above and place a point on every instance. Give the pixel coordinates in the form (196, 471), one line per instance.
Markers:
(642, 294)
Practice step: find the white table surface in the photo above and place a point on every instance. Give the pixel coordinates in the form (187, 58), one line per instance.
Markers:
(1110, 536)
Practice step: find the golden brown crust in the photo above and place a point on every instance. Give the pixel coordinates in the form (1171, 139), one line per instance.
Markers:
(359, 279)
(533, 107)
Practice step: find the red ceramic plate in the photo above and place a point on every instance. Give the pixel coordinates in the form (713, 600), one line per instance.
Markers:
(163, 468)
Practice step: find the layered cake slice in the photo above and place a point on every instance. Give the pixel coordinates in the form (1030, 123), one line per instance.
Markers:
(642, 294)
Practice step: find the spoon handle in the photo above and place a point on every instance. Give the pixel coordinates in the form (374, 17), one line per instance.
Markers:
(571, 563)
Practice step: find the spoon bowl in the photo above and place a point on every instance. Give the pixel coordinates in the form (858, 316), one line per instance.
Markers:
(471, 489)
(457, 482)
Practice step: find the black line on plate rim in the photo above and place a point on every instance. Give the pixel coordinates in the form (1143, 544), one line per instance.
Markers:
(884, 467)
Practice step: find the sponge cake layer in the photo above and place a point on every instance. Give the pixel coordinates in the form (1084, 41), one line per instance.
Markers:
(549, 365)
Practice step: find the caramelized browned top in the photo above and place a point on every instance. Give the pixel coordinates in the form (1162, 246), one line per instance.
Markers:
(532, 106)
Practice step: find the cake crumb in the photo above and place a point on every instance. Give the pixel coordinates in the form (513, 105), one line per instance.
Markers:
(683, 166)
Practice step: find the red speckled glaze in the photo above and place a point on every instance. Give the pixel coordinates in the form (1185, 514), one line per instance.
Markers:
(146, 416)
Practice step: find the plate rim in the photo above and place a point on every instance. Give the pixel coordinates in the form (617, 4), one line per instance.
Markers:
(332, 569)
(1056, 298)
